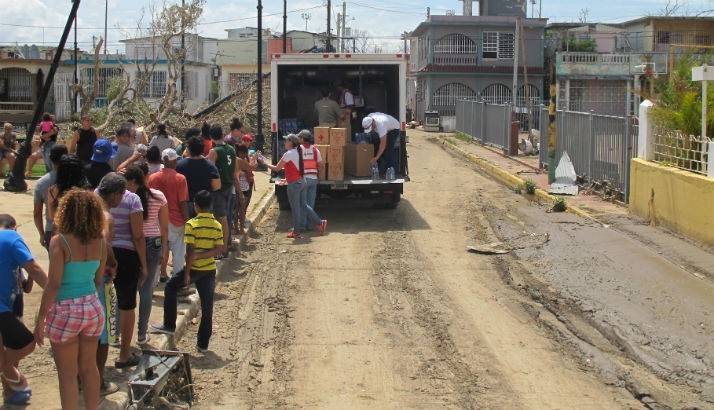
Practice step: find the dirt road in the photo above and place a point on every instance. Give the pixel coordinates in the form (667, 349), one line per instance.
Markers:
(389, 311)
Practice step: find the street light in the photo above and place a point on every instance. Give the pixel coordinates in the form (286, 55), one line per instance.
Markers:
(259, 138)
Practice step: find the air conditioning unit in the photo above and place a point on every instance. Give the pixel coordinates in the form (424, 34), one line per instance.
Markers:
(432, 121)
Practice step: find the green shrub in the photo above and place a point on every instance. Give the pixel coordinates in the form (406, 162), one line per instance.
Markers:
(530, 187)
(560, 205)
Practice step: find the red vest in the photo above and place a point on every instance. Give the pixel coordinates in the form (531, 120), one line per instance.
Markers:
(309, 160)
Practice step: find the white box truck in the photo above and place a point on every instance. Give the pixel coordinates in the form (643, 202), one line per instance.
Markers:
(378, 82)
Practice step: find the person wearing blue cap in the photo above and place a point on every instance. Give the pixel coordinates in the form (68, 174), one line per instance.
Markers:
(102, 152)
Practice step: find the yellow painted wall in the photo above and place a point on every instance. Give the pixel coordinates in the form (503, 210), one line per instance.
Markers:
(679, 200)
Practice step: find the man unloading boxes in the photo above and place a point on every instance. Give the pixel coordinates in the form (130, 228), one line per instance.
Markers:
(327, 110)
(386, 128)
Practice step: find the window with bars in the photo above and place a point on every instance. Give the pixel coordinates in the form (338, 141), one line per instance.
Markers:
(498, 45)
(490, 44)
(497, 94)
(106, 74)
(506, 43)
(444, 98)
(155, 84)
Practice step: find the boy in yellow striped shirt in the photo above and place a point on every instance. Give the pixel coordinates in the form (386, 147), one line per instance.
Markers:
(204, 241)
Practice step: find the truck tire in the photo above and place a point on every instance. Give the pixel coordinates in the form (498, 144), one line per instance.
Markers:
(393, 200)
(281, 194)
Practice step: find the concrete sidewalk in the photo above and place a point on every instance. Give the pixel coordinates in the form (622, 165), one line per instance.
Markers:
(525, 168)
(39, 367)
(693, 257)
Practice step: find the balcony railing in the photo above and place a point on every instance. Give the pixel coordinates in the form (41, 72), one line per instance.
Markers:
(610, 64)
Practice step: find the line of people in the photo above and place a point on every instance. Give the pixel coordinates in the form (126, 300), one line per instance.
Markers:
(110, 217)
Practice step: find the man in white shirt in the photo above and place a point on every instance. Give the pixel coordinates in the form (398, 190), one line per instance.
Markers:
(387, 129)
(347, 102)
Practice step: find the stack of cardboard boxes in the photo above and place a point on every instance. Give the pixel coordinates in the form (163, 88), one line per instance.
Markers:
(341, 157)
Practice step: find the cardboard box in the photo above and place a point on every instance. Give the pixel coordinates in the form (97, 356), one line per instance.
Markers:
(336, 164)
(322, 171)
(322, 135)
(358, 160)
(324, 151)
(338, 137)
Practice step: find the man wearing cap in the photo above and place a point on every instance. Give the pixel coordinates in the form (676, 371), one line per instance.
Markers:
(175, 188)
(83, 139)
(386, 128)
(45, 227)
(103, 152)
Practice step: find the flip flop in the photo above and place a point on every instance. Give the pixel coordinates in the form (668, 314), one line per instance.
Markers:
(19, 385)
(132, 361)
(18, 398)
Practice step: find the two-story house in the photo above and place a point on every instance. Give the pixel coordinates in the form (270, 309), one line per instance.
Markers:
(466, 56)
(608, 69)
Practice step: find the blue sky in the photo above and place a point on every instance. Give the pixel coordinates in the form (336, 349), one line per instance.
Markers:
(382, 19)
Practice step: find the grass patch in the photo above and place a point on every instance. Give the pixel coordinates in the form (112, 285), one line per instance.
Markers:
(463, 137)
(38, 170)
(560, 205)
(530, 187)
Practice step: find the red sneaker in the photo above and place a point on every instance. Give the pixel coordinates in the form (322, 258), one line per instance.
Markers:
(322, 227)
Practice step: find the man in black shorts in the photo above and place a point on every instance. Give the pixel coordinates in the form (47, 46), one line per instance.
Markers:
(17, 340)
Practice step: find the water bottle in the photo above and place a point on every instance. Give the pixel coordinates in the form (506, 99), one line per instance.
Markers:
(375, 172)
(390, 174)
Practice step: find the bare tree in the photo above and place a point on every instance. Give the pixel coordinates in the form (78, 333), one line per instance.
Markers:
(583, 15)
(671, 8)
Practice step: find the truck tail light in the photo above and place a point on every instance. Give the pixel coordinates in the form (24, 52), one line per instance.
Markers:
(325, 56)
(274, 127)
(399, 55)
(348, 55)
(276, 55)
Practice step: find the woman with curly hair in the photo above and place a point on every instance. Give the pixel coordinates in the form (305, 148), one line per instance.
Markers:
(70, 312)
(70, 174)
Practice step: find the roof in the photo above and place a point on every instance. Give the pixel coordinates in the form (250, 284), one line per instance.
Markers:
(681, 18)
(436, 20)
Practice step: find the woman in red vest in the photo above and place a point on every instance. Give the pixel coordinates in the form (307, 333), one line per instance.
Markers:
(311, 158)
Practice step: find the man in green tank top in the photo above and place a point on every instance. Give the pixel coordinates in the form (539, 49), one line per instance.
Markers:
(224, 157)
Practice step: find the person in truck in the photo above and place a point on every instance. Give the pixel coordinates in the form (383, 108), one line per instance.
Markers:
(385, 136)
(327, 110)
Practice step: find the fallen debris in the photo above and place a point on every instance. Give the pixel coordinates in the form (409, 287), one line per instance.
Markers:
(565, 177)
(493, 248)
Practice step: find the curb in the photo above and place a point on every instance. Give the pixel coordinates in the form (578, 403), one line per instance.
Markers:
(504, 177)
(190, 306)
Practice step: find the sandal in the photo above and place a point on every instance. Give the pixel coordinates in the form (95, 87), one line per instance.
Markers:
(132, 361)
(19, 385)
(18, 398)
(108, 388)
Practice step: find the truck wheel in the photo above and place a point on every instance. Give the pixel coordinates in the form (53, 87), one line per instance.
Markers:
(281, 193)
(393, 200)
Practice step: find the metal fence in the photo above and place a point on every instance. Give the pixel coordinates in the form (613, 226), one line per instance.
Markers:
(677, 149)
(488, 123)
(600, 146)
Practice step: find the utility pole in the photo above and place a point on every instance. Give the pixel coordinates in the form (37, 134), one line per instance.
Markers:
(16, 181)
(259, 138)
(516, 45)
(106, 23)
(328, 40)
(339, 33)
(183, 54)
(526, 88)
(75, 105)
(344, 22)
(285, 26)
(552, 126)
